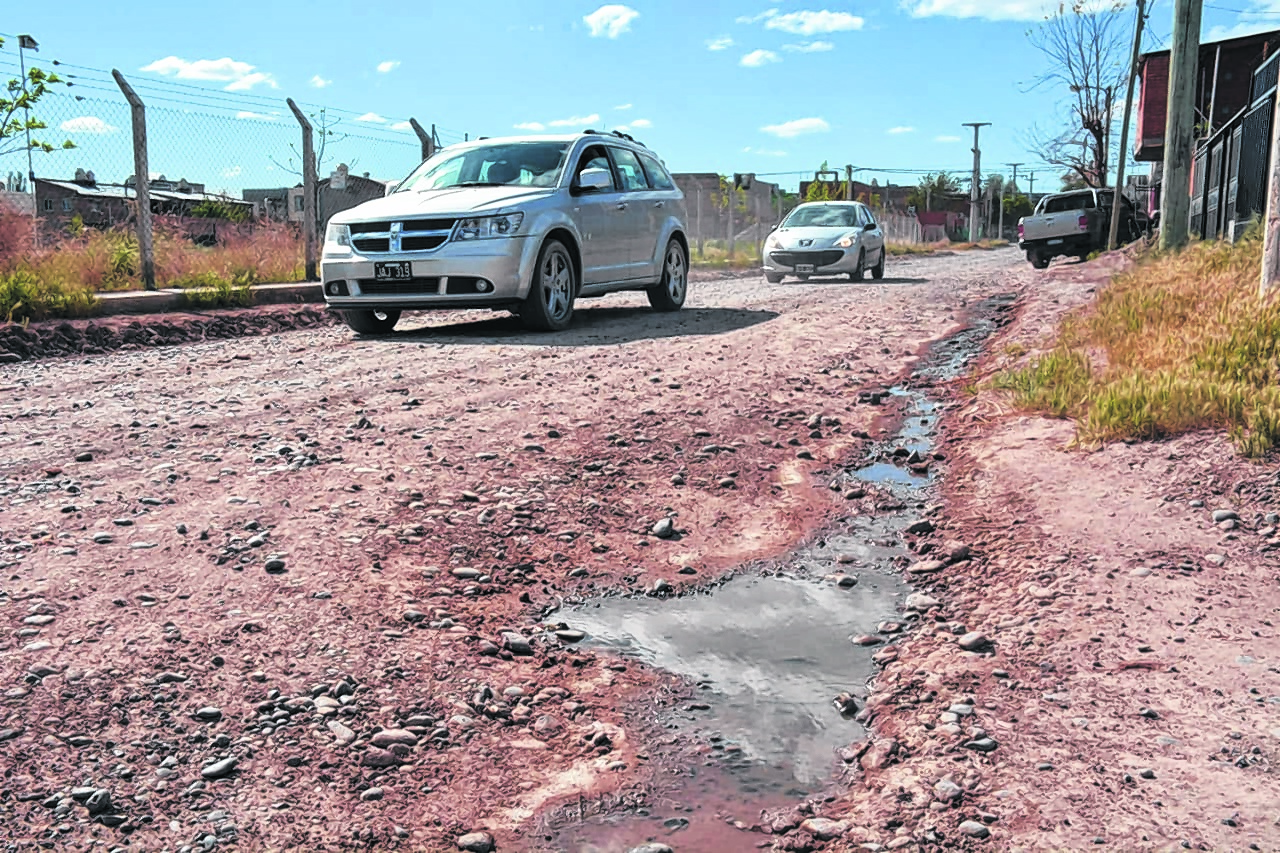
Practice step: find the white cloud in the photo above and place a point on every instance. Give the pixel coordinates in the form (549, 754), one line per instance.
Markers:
(811, 23)
(239, 76)
(758, 59)
(402, 125)
(372, 118)
(721, 43)
(622, 128)
(992, 10)
(575, 121)
(797, 127)
(610, 21)
(947, 139)
(642, 123)
(248, 114)
(534, 126)
(810, 47)
(233, 172)
(622, 107)
(86, 124)
(1244, 27)
(764, 152)
(388, 66)
(319, 82)
(895, 131)
(752, 19)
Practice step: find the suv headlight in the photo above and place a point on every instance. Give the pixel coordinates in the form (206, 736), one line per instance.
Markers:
(337, 237)
(847, 240)
(485, 227)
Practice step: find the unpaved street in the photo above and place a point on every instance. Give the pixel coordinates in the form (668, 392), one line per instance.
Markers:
(268, 591)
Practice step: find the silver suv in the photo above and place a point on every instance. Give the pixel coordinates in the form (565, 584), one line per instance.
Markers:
(527, 224)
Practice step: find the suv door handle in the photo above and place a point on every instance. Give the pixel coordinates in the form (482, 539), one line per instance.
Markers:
(622, 205)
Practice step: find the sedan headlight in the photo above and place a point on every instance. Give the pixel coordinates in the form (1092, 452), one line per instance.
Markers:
(772, 242)
(847, 240)
(337, 237)
(486, 227)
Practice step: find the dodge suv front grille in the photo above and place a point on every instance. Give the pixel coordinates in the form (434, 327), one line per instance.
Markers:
(407, 235)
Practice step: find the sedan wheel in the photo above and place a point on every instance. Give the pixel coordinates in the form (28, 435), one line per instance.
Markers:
(860, 270)
(549, 305)
(669, 293)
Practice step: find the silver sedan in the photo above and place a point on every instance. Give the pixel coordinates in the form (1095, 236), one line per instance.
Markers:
(825, 238)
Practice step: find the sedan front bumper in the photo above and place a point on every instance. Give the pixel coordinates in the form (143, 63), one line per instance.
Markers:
(822, 261)
(483, 273)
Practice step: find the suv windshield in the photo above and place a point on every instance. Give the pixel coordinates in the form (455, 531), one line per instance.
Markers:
(820, 216)
(519, 164)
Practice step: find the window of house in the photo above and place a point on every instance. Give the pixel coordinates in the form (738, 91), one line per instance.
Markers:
(48, 204)
(66, 205)
(297, 202)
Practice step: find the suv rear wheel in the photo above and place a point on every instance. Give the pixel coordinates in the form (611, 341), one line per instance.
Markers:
(366, 322)
(668, 294)
(549, 305)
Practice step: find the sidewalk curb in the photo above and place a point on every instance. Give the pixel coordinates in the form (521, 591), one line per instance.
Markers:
(174, 299)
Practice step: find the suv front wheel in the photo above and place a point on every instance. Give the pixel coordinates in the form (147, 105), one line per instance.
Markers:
(365, 322)
(549, 305)
(668, 294)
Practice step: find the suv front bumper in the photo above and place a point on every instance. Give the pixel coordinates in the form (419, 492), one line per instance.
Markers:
(480, 273)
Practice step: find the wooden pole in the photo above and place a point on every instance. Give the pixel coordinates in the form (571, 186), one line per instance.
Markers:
(1271, 234)
(1179, 130)
(424, 138)
(142, 181)
(733, 199)
(309, 184)
(1124, 126)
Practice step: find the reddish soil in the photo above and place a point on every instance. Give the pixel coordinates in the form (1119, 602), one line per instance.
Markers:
(310, 553)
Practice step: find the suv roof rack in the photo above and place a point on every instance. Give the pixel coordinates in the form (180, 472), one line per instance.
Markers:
(617, 133)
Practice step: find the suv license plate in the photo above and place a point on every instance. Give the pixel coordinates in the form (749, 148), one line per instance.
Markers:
(392, 271)
(804, 267)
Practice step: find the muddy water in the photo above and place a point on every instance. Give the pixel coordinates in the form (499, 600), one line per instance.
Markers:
(771, 648)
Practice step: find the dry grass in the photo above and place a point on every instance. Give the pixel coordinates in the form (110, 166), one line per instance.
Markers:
(60, 280)
(1178, 343)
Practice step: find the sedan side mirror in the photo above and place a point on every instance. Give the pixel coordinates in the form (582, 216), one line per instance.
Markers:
(870, 226)
(594, 181)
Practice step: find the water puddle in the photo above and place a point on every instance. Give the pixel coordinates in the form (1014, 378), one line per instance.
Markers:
(771, 649)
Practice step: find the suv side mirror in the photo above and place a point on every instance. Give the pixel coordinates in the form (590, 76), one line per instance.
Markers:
(593, 181)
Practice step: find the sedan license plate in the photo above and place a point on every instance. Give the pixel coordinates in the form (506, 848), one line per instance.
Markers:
(1055, 242)
(804, 267)
(392, 271)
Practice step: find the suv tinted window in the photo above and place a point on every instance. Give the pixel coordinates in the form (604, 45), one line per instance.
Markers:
(594, 158)
(658, 177)
(629, 169)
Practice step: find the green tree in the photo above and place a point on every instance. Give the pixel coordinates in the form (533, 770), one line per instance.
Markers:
(1016, 206)
(214, 209)
(930, 189)
(17, 101)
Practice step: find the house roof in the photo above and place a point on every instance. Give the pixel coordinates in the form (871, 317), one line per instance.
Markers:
(116, 191)
(1235, 41)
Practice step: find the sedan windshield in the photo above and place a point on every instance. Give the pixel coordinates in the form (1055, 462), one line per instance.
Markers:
(517, 164)
(822, 216)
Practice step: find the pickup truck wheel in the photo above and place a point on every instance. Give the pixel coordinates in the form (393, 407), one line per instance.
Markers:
(668, 294)
(1038, 260)
(877, 272)
(549, 305)
(371, 322)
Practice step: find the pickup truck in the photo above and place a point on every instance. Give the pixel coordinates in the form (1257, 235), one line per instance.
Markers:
(1074, 223)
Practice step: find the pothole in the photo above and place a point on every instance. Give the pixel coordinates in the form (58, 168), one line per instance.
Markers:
(770, 650)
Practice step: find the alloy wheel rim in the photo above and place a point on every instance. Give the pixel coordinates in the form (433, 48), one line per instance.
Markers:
(557, 282)
(675, 273)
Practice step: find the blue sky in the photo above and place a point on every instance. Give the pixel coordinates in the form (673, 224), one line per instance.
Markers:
(712, 85)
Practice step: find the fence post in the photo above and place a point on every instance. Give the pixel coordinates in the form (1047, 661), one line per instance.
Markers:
(1271, 217)
(309, 183)
(142, 181)
(424, 138)
(733, 200)
(697, 220)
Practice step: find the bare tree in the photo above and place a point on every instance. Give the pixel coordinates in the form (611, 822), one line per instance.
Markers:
(1086, 44)
(326, 132)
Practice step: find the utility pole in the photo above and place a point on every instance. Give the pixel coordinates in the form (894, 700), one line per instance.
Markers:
(1179, 129)
(977, 177)
(1032, 189)
(848, 183)
(1124, 125)
(1014, 182)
